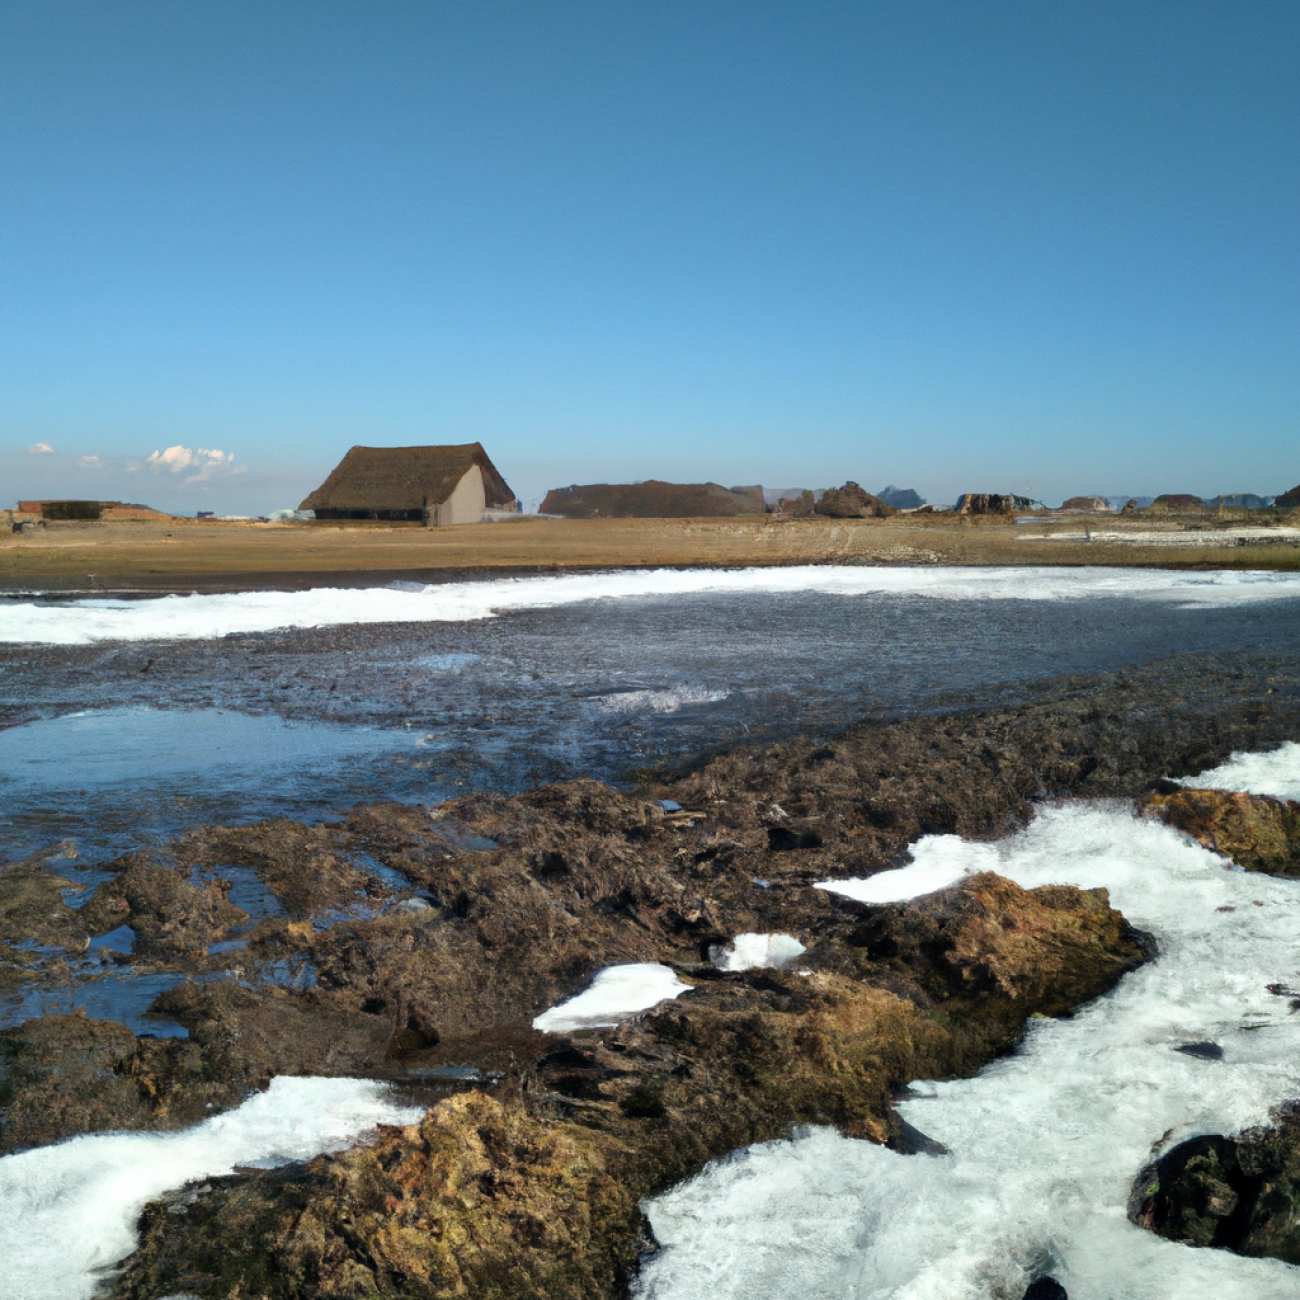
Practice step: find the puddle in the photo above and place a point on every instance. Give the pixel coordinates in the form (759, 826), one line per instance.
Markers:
(123, 997)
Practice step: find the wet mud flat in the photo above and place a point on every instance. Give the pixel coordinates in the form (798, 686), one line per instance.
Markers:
(417, 943)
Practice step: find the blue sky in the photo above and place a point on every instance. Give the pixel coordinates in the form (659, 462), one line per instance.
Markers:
(1051, 248)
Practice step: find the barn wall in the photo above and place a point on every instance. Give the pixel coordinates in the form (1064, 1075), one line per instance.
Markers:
(466, 503)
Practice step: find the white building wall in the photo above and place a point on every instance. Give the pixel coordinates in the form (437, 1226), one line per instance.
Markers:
(466, 503)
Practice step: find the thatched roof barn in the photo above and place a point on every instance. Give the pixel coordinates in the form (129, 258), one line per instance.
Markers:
(652, 500)
(438, 485)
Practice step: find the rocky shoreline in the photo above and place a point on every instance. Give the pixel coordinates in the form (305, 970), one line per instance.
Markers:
(525, 1175)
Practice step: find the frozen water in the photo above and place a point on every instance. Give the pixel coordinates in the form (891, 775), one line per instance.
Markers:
(1043, 1145)
(82, 622)
(616, 993)
(750, 950)
(70, 1210)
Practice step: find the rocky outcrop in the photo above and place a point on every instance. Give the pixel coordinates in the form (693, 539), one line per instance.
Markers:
(652, 499)
(1168, 503)
(1289, 500)
(1256, 831)
(1236, 1193)
(1092, 505)
(851, 502)
(533, 1191)
(993, 503)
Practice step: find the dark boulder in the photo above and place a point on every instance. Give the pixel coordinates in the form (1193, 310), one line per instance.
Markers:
(1046, 1288)
(1289, 500)
(1240, 1194)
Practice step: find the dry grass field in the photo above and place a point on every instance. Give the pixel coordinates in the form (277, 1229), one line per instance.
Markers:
(188, 554)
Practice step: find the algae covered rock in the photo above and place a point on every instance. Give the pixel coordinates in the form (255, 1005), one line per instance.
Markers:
(1240, 1194)
(477, 1200)
(530, 1189)
(1256, 831)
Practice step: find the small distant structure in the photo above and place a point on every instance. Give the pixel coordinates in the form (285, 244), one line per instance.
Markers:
(652, 499)
(437, 486)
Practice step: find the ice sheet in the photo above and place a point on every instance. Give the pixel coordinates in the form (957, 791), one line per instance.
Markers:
(81, 622)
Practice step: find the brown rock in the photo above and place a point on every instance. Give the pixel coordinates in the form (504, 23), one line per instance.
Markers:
(852, 502)
(1256, 831)
(534, 1193)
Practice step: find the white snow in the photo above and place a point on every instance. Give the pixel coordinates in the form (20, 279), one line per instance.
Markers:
(69, 1211)
(616, 993)
(748, 951)
(81, 622)
(1045, 1144)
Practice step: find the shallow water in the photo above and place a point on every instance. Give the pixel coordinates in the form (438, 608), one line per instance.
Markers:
(1044, 1145)
(122, 741)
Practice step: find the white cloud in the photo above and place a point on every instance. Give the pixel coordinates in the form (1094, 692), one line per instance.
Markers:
(40, 449)
(92, 462)
(205, 462)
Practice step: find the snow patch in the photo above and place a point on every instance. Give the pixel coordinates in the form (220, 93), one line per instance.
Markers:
(749, 951)
(616, 993)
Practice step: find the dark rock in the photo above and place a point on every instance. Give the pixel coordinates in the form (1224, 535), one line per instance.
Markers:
(1240, 1194)
(1205, 1051)
(1046, 1288)
(911, 1141)
(1289, 500)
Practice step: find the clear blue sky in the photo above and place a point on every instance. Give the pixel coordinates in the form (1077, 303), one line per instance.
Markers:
(1051, 247)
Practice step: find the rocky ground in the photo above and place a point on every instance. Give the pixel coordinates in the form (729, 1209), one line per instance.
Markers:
(408, 943)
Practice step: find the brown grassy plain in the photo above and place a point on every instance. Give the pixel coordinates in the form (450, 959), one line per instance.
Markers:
(185, 554)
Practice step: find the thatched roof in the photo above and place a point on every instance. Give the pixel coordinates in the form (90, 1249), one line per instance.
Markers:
(652, 500)
(406, 478)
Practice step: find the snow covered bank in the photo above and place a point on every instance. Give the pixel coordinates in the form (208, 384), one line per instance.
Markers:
(82, 622)
(1044, 1145)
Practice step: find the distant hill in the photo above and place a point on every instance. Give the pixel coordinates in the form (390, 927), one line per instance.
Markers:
(901, 498)
(1242, 499)
(652, 499)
